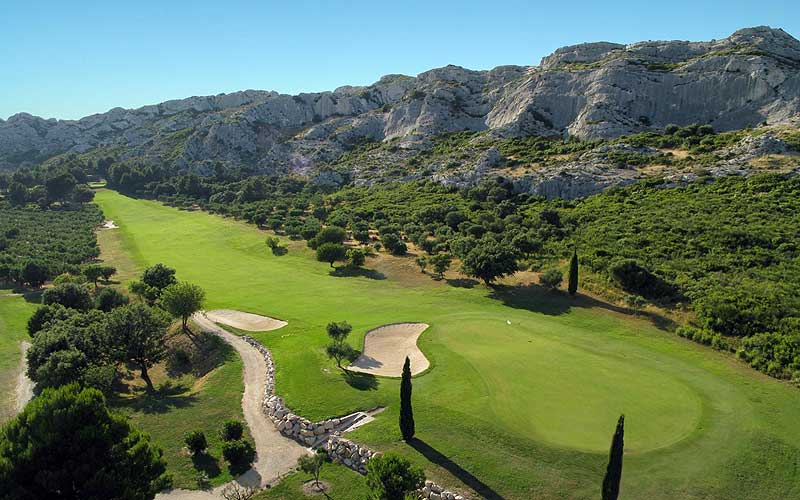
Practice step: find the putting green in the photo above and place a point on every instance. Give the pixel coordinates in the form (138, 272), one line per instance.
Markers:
(579, 393)
(526, 409)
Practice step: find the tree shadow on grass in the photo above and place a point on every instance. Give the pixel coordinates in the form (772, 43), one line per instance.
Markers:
(350, 272)
(553, 303)
(532, 298)
(433, 455)
(462, 282)
(206, 463)
(360, 381)
(31, 296)
(164, 399)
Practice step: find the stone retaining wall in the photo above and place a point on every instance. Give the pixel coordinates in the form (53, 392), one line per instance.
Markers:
(326, 433)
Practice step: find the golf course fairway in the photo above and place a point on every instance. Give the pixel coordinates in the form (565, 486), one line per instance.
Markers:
(525, 385)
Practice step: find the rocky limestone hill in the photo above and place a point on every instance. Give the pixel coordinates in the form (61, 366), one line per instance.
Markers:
(589, 91)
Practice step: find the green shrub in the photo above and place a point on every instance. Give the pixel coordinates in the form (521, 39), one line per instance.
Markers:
(551, 278)
(109, 298)
(232, 430)
(355, 257)
(238, 453)
(392, 477)
(71, 295)
(196, 442)
(635, 278)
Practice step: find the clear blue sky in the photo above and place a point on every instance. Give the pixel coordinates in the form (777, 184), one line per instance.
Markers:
(71, 58)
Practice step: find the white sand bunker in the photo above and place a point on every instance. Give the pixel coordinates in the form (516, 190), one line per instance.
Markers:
(244, 320)
(386, 348)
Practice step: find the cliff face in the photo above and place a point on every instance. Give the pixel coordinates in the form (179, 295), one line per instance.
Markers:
(596, 90)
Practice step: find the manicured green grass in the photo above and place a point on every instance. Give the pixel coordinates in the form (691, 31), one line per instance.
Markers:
(14, 314)
(517, 411)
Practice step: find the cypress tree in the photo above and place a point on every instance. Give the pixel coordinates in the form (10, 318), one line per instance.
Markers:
(406, 413)
(573, 273)
(614, 469)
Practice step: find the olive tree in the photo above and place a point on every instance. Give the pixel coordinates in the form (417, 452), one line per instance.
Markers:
(182, 300)
(490, 260)
(330, 252)
(338, 349)
(441, 263)
(312, 464)
(138, 334)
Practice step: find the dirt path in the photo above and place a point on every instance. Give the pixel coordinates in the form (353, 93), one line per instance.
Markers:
(276, 454)
(24, 389)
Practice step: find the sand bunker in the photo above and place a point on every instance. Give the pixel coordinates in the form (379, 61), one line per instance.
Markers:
(245, 321)
(386, 348)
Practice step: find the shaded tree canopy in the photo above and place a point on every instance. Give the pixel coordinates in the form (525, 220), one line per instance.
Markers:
(66, 444)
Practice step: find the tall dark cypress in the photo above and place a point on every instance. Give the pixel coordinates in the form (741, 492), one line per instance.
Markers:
(573, 273)
(614, 469)
(406, 412)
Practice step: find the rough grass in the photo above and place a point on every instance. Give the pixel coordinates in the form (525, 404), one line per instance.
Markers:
(187, 399)
(14, 313)
(513, 411)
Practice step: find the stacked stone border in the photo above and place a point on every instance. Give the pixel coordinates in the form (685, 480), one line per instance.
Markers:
(326, 434)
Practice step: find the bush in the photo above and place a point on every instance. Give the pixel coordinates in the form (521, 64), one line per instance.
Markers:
(69, 295)
(196, 442)
(391, 477)
(776, 354)
(637, 279)
(68, 278)
(109, 298)
(232, 430)
(356, 257)
(551, 278)
(273, 242)
(45, 314)
(238, 453)
(331, 234)
(705, 337)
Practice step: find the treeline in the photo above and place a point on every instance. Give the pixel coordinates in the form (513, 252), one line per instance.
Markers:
(61, 181)
(82, 332)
